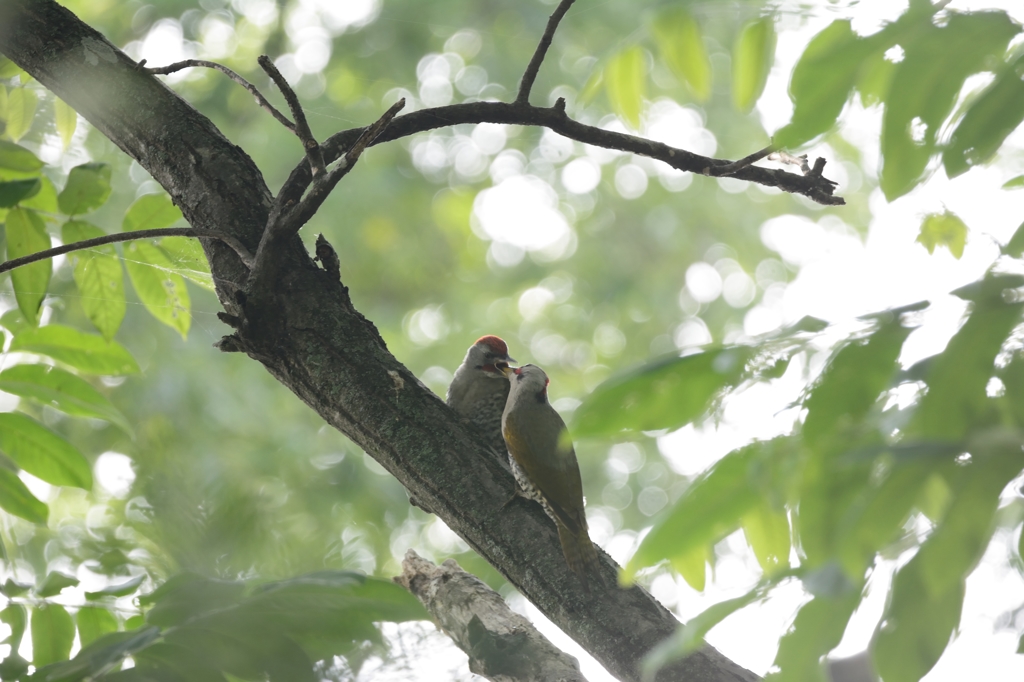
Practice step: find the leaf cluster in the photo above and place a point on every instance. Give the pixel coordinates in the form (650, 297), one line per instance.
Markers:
(840, 491)
(195, 628)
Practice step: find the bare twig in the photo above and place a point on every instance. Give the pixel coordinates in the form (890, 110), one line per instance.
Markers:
(291, 210)
(530, 75)
(323, 186)
(730, 168)
(178, 66)
(236, 245)
(309, 143)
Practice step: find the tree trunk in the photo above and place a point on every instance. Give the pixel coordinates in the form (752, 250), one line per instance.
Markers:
(305, 331)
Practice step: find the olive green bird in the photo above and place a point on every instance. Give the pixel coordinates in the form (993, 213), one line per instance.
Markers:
(544, 463)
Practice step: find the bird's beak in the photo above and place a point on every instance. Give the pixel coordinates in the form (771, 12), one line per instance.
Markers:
(504, 368)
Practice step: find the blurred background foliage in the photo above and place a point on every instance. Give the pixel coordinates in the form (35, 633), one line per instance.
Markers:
(225, 475)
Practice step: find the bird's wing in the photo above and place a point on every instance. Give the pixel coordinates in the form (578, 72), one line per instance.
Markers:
(557, 478)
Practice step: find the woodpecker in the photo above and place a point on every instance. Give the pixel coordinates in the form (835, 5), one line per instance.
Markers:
(478, 390)
(544, 462)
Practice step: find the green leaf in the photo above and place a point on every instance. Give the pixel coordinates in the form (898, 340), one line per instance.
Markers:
(989, 120)
(956, 399)
(189, 260)
(160, 289)
(14, 321)
(241, 655)
(711, 508)
(1014, 183)
(45, 200)
(836, 407)
(1015, 247)
(87, 188)
(690, 636)
(11, 193)
(943, 229)
(693, 567)
(43, 453)
(13, 667)
(93, 623)
(8, 69)
(625, 77)
(277, 629)
(62, 391)
(916, 626)
(767, 531)
(100, 656)
(816, 630)
(149, 212)
(15, 616)
(822, 81)
(307, 602)
(54, 582)
(17, 158)
(26, 234)
(66, 120)
(664, 394)
(875, 77)
(955, 547)
(52, 634)
(118, 590)
(852, 382)
(85, 352)
(10, 588)
(752, 57)
(17, 500)
(21, 109)
(186, 663)
(682, 47)
(925, 88)
(98, 275)
(188, 595)
(875, 518)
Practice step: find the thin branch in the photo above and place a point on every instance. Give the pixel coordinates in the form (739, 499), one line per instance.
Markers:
(291, 210)
(530, 75)
(260, 99)
(730, 168)
(309, 143)
(813, 187)
(323, 186)
(236, 245)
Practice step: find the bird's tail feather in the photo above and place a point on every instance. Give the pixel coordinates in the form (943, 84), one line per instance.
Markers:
(579, 553)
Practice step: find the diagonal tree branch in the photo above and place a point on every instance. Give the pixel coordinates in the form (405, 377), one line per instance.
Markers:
(530, 75)
(239, 248)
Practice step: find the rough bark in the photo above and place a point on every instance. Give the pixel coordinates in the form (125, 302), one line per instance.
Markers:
(502, 645)
(305, 331)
